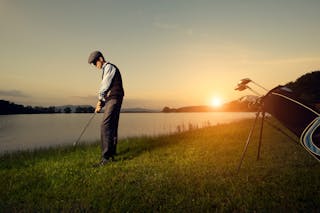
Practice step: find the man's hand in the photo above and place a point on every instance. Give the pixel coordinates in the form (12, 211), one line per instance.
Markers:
(98, 107)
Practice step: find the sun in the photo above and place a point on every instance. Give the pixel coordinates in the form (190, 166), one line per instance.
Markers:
(216, 102)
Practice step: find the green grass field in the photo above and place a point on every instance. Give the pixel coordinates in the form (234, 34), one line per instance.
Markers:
(194, 171)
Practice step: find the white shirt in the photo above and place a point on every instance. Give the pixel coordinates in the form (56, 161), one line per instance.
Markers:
(108, 71)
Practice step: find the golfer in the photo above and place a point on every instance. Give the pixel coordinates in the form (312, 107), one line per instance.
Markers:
(110, 95)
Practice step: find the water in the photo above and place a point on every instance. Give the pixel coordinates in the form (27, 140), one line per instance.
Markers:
(20, 132)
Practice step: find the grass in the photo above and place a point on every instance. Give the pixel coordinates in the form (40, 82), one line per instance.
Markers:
(192, 171)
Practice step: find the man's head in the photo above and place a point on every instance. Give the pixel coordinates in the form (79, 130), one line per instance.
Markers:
(96, 58)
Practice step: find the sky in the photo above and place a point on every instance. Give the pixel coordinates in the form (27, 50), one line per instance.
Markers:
(170, 53)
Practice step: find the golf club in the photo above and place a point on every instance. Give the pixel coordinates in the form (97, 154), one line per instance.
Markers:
(255, 92)
(259, 85)
(244, 81)
(84, 129)
(242, 87)
(248, 80)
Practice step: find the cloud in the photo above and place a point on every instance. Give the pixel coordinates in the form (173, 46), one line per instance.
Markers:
(13, 93)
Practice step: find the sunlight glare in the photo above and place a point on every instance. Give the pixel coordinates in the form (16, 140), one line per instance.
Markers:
(216, 102)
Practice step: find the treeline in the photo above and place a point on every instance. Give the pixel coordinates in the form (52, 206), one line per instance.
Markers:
(233, 106)
(7, 108)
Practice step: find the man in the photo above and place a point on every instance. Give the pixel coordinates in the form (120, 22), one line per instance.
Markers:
(110, 95)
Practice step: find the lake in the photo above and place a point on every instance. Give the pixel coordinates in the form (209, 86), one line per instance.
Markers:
(21, 132)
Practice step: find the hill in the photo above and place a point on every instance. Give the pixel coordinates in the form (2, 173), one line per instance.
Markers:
(307, 87)
(232, 106)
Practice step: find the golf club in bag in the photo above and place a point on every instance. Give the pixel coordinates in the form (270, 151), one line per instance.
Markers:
(283, 104)
(84, 129)
(243, 84)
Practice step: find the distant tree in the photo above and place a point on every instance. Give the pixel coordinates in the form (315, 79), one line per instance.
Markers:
(29, 110)
(90, 109)
(80, 109)
(67, 110)
(7, 107)
(4, 107)
(166, 109)
(38, 110)
(52, 109)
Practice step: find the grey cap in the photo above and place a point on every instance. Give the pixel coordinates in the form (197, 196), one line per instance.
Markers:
(94, 56)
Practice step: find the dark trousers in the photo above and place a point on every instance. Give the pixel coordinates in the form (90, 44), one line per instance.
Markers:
(109, 127)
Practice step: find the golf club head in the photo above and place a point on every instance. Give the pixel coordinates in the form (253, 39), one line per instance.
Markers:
(244, 81)
(240, 87)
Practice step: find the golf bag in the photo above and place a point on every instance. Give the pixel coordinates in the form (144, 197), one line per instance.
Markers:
(300, 118)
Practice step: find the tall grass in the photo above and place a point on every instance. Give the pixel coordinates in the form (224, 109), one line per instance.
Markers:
(193, 171)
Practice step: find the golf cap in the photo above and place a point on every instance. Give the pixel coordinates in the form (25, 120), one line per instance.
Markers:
(94, 56)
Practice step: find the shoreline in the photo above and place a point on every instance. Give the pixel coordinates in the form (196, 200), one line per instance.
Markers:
(21, 132)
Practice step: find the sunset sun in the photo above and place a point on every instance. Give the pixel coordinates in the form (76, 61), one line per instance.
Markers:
(216, 102)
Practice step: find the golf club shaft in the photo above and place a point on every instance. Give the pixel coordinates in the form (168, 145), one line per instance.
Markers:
(259, 85)
(255, 92)
(84, 129)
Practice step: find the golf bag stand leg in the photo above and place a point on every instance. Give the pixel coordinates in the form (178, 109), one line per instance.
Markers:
(248, 140)
(260, 137)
